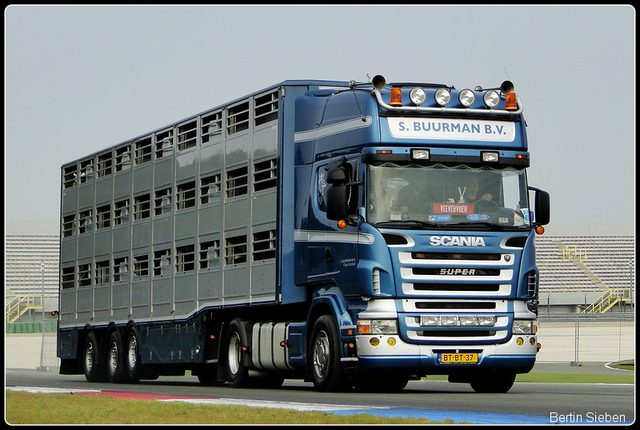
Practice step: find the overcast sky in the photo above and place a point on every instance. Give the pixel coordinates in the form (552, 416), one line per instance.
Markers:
(81, 79)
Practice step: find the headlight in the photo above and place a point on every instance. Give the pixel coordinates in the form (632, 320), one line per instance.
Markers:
(466, 98)
(377, 326)
(524, 327)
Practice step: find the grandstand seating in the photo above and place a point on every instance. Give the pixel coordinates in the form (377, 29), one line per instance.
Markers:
(24, 256)
(585, 263)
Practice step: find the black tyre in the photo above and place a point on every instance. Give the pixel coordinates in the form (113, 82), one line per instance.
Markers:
(237, 372)
(383, 384)
(132, 355)
(207, 374)
(116, 367)
(493, 383)
(93, 360)
(324, 355)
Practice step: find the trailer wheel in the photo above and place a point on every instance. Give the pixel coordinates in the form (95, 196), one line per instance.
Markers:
(132, 355)
(326, 370)
(93, 360)
(237, 373)
(493, 383)
(116, 358)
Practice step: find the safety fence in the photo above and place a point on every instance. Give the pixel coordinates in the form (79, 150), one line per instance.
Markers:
(582, 337)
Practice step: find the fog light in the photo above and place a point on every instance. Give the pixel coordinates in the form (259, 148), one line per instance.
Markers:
(449, 320)
(486, 321)
(468, 320)
(520, 341)
(374, 341)
(391, 341)
(532, 341)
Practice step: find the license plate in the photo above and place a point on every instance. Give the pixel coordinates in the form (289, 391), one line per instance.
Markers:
(458, 358)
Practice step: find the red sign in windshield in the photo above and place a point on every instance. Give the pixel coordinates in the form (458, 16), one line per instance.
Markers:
(452, 208)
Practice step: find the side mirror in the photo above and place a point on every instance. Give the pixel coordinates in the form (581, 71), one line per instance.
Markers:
(543, 207)
(337, 196)
(337, 176)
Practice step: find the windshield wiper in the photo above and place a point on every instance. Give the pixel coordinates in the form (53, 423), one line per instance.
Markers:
(408, 224)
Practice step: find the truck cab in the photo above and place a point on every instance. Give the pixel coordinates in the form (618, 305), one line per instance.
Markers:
(421, 222)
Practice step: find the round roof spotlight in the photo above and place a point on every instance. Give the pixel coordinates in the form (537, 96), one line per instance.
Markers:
(417, 96)
(491, 99)
(466, 98)
(442, 96)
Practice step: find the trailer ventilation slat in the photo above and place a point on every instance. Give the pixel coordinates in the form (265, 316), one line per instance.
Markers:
(266, 108)
(238, 118)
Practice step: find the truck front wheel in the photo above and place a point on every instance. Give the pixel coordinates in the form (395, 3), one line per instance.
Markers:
(493, 383)
(325, 356)
(237, 373)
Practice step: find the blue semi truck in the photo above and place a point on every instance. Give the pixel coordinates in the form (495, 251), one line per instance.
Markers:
(349, 234)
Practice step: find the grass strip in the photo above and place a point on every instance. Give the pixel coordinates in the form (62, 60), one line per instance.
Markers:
(34, 408)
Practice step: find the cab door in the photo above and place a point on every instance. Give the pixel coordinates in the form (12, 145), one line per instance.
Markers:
(333, 251)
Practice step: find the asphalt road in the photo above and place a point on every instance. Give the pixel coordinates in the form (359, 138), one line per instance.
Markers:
(534, 403)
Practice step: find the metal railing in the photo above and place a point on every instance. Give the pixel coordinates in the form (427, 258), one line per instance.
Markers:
(608, 300)
(17, 305)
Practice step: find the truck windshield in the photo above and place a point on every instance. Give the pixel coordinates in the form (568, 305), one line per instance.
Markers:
(437, 196)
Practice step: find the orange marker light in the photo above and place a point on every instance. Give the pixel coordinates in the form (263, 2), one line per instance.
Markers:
(540, 229)
(511, 103)
(342, 224)
(396, 96)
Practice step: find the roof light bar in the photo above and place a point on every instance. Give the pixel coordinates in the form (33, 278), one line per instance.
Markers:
(442, 97)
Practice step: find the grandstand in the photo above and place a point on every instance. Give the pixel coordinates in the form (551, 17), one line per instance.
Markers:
(579, 271)
(31, 264)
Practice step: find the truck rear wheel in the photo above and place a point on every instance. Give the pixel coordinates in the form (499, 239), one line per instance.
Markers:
(132, 355)
(326, 370)
(237, 373)
(93, 360)
(116, 358)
